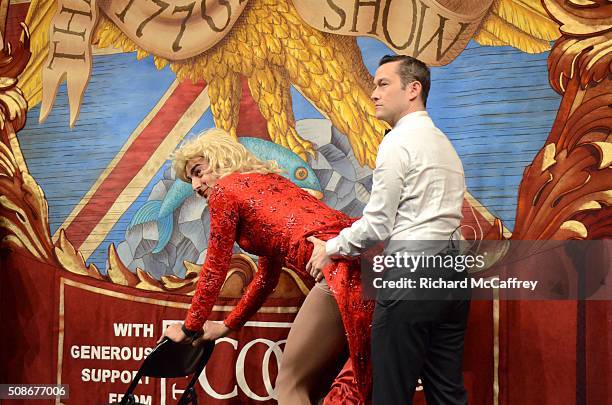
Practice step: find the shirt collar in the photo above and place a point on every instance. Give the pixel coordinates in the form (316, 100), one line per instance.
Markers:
(411, 116)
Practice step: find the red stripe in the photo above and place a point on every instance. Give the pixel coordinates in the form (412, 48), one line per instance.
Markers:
(250, 120)
(133, 160)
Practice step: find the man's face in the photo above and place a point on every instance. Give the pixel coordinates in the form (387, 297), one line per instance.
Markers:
(391, 101)
(202, 180)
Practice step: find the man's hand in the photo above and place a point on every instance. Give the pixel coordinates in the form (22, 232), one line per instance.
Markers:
(318, 260)
(212, 331)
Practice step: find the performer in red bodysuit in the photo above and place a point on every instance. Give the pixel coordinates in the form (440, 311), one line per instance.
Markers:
(267, 215)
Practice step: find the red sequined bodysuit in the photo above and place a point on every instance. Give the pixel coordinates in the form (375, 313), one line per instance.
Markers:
(271, 217)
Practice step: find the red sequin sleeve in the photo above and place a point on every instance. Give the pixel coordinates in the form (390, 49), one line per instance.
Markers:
(223, 222)
(263, 284)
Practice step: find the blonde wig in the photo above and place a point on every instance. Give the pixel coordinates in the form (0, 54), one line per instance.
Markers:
(223, 153)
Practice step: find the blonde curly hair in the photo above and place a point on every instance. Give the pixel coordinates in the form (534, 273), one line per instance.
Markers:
(223, 153)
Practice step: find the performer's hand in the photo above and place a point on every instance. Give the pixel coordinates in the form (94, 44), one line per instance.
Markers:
(318, 260)
(212, 331)
(175, 333)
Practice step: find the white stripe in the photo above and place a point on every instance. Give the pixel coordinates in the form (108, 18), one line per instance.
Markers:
(258, 324)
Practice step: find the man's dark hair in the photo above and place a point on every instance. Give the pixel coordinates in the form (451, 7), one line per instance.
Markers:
(411, 69)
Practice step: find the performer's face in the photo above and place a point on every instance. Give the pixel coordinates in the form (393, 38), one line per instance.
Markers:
(202, 180)
(392, 100)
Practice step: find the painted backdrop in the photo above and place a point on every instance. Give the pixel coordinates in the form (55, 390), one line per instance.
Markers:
(98, 235)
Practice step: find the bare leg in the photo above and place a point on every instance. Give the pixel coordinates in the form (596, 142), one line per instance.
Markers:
(316, 345)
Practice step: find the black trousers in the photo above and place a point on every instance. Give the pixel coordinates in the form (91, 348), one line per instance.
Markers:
(414, 339)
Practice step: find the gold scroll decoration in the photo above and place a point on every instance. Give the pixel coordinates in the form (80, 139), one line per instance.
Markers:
(429, 30)
(175, 30)
(24, 226)
(69, 55)
(566, 193)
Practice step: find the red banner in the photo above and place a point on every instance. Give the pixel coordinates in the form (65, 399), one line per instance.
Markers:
(101, 349)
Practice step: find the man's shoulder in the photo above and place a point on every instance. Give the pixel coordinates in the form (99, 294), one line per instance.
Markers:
(395, 138)
(410, 134)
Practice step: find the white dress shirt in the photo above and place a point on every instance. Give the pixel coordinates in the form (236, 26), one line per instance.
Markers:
(417, 191)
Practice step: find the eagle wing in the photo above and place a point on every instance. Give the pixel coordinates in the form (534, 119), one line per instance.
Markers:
(38, 21)
(523, 24)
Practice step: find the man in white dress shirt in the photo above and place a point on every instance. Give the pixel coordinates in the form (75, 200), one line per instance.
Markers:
(417, 195)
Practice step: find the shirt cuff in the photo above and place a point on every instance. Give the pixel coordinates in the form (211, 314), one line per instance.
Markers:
(233, 323)
(331, 247)
(190, 333)
(192, 324)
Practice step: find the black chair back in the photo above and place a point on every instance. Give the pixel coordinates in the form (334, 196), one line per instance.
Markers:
(171, 360)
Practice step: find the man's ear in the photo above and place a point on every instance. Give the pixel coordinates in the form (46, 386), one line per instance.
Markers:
(415, 89)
